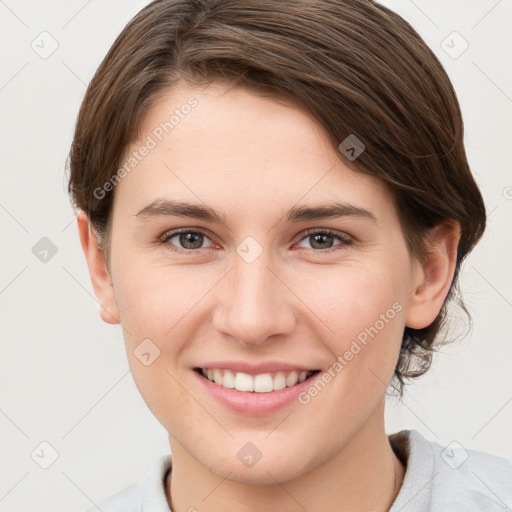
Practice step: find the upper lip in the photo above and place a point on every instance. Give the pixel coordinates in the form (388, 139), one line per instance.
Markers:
(256, 368)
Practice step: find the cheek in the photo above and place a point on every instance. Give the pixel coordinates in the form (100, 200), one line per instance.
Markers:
(159, 311)
(154, 300)
(355, 300)
(365, 313)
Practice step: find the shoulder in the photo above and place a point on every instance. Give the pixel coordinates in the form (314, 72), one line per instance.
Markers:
(452, 477)
(127, 500)
(470, 479)
(147, 494)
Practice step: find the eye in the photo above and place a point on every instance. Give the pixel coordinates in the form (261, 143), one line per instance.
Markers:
(322, 239)
(188, 239)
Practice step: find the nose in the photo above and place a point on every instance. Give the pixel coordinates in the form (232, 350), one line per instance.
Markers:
(255, 305)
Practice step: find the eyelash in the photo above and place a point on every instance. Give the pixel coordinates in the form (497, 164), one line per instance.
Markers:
(345, 239)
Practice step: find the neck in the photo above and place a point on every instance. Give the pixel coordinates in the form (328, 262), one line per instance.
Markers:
(365, 476)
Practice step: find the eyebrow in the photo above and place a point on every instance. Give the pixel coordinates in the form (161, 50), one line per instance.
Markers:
(162, 207)
(331, 210)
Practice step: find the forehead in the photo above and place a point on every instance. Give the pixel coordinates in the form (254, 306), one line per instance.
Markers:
(235, 149)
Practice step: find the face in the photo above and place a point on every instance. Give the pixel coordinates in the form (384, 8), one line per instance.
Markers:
(284, 262)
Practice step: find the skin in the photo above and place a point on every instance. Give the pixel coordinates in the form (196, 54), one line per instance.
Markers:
(252, 158)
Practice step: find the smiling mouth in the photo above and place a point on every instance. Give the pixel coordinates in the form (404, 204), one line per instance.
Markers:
(261, 383)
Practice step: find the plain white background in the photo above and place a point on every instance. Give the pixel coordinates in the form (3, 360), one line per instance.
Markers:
(63, 372)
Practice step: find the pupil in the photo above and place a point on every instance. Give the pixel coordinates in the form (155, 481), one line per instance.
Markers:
(319, 239)
(191, 240)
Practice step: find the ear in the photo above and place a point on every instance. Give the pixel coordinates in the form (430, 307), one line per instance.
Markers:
(98, 271)
(435, 277)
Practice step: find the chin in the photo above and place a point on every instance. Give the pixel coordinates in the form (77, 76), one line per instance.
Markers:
(279, 468)
(264, 475)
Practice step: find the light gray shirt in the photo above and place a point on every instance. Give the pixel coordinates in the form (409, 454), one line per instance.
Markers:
(437, 479)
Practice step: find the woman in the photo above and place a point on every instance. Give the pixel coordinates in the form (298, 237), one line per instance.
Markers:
(275, 205)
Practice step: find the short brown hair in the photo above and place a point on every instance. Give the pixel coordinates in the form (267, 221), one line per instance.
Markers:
(356, 66)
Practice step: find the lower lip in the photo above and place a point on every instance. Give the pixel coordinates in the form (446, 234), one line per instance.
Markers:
(251, 403)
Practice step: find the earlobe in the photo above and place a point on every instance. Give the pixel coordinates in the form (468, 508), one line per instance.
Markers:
(98, 271)
(434, 278)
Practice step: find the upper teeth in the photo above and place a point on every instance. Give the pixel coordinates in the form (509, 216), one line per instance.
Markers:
(261, 383)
